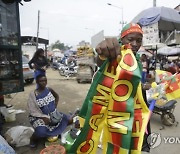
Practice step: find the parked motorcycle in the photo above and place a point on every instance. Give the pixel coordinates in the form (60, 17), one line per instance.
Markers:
(55, 65)
(68, 71)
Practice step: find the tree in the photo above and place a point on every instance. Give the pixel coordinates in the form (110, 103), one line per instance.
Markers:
(59, 45)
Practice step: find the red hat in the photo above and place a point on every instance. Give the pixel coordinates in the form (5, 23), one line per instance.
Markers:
(131, 28)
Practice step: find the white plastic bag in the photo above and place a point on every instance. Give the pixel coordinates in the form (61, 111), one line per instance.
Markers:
(19, 135)
(5, 148)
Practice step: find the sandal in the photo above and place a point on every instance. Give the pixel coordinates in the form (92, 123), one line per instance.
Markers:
(33, 142)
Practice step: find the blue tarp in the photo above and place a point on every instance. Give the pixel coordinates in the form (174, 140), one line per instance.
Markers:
(167, 18)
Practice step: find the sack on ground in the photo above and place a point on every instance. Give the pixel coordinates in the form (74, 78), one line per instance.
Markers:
(19, 135)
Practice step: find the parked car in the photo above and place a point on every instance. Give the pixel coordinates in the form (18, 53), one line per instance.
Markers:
(28, 74)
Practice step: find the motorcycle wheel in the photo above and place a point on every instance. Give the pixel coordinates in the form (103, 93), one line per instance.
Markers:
(168, 119)
(78, 81)
(61, 72)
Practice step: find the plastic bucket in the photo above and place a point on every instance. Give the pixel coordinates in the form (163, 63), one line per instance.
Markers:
(10, 117)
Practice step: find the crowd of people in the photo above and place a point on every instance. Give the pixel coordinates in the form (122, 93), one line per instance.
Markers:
(160, 62)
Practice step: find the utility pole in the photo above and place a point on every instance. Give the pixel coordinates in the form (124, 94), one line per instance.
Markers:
(154, 3)
(122, 22)
(37, 30)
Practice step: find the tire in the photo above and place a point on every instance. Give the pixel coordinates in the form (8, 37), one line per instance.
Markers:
(61, 72)
(168, 119)
(78, 81)
(29, 81)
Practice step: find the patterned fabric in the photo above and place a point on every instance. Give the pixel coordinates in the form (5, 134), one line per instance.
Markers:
(46, 103)
(131, 28)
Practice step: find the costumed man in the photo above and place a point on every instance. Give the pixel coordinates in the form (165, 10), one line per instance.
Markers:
(114, 104)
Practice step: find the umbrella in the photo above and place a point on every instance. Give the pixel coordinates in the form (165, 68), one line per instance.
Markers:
(169, 51)
(168, 19)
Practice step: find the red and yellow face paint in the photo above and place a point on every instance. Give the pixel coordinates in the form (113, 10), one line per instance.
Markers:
(114, 106)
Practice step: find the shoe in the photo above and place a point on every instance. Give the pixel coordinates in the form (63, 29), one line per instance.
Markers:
(77, 112)
(33, 145)
(33, 142)
(9, 106)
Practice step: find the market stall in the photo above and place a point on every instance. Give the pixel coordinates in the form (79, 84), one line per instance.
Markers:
(11, 76)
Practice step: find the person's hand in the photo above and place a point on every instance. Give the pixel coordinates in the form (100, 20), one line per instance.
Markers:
(109, 48)
(44, 68)
(33, 66)
(46, 120)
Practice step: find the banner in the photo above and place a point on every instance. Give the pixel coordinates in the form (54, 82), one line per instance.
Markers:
(114, 107)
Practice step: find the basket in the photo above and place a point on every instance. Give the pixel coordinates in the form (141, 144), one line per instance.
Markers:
(54, 149)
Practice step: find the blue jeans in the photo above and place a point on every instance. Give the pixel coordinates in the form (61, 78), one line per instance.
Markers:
(38, 72)
(144, 74)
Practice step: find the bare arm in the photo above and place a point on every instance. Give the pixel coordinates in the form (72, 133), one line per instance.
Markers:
(33, 109)
(109, 48)
(55, 95)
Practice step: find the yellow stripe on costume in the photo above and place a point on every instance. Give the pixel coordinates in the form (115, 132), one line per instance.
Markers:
(123, 151)
(145, 117)
(81, 121)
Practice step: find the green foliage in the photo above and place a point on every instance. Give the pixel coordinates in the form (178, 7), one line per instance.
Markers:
(59, 45)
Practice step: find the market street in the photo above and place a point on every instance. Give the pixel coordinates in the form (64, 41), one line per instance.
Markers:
(72, 95)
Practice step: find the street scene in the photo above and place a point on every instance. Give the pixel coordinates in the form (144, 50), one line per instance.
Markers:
(89, 82)
(68, 89)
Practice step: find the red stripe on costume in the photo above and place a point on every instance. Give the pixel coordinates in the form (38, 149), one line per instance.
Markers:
(116, 140)
(128, 60)
(107, 82)
(137, 117)
(172, 87)
(125, 76)
(135, 142)
(119, 108)
(96, 109)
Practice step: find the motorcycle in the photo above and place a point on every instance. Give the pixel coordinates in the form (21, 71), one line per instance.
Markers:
(68, 71)
(55, 65)
(161, 106)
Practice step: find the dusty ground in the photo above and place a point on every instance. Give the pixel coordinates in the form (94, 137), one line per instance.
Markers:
(72, 96)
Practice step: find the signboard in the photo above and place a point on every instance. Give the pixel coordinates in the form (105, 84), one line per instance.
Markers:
(150, 34)
(97, 38)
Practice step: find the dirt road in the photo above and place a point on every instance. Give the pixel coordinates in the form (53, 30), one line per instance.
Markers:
(72, 96)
